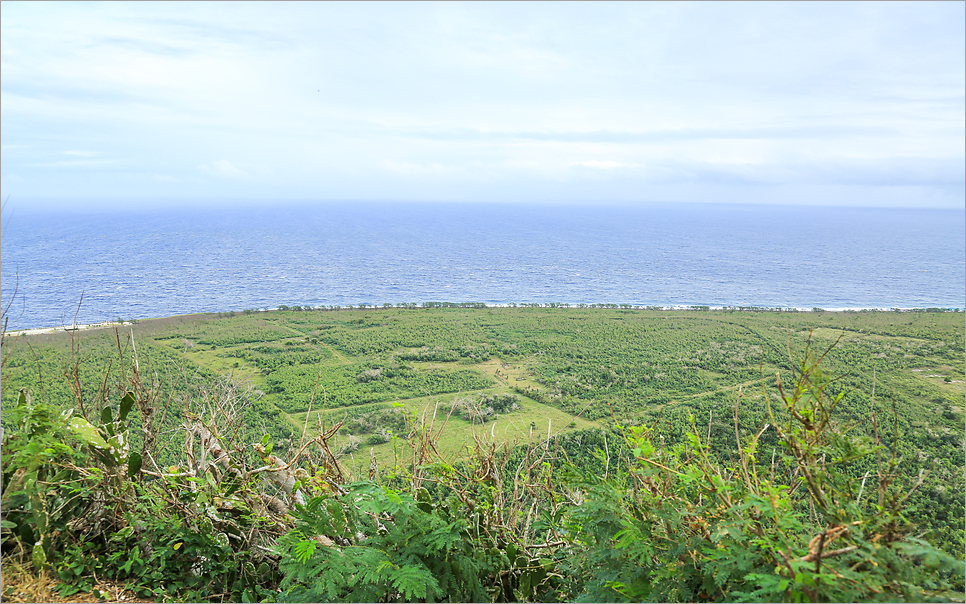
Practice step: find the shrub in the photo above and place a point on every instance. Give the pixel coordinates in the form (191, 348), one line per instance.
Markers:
(678, 524)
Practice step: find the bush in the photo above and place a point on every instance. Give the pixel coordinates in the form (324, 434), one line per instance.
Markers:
(821, 517)
(677, 524)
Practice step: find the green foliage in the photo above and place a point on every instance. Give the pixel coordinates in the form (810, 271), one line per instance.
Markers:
(350, 385)
(73, 502)
(376, 544)
(34, 455)
(809, 488)
(228, 333)
(677, 524)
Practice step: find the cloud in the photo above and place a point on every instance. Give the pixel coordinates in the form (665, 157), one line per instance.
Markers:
(223, 168)
(602, 165)
(78, 163)
(797, 132)
(137, 45)
(419, 169)
(496, 100)
(14, 179)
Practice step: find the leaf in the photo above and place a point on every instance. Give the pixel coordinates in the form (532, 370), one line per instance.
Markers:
(304, 551)
(423, 500)
(86, 432)
(525, 587)
(337, 518)
(133, 464)
(413, 582)
(107, 417)
(126, 403)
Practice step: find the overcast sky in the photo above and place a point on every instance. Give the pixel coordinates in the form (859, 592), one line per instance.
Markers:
(814, 103)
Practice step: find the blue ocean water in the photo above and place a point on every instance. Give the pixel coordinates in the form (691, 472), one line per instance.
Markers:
(160, 263)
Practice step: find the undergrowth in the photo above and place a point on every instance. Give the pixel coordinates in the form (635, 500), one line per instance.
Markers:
(821, 517)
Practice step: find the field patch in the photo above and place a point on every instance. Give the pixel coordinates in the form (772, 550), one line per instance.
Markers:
(530, 422)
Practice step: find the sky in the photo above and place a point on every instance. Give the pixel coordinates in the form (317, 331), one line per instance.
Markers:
(161, 104)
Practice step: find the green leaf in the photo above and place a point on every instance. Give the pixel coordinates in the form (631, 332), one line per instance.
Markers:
(86, 432)
(126, 403)
(107, 417)
(337, 518)
(133, 464)
(423, 500)
(413, 582)
(304, 551)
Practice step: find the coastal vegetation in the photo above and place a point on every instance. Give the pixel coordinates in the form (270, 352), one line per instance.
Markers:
(468, 453)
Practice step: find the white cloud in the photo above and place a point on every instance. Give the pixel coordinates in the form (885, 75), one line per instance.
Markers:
(418, 169)
(602, 164)
(486, 99)
(223, 168)
(14, 179)
(75, 163)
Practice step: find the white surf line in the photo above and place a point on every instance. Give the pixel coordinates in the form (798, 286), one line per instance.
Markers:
(77, 327)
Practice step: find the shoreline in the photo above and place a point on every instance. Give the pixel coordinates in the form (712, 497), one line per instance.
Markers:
(66, 328)
(474, 305)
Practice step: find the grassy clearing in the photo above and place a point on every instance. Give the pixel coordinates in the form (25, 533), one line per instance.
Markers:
(528, 423)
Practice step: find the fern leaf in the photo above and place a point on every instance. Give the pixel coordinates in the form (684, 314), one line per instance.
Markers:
(413, 582)
(304, 551)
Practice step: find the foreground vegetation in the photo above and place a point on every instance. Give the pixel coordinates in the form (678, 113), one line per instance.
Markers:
(473, 454)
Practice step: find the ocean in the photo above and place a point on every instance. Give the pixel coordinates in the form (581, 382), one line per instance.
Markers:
(134, 265)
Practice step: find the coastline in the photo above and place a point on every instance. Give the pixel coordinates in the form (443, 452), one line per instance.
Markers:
(66, 328)
(471, 305)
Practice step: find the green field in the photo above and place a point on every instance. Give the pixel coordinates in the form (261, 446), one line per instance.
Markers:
(526, 413)
(577, 368)
(574, 369)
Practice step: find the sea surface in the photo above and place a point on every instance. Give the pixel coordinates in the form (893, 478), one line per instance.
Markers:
(131, 265)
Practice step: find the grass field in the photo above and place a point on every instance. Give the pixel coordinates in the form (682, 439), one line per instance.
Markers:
(569, 369)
